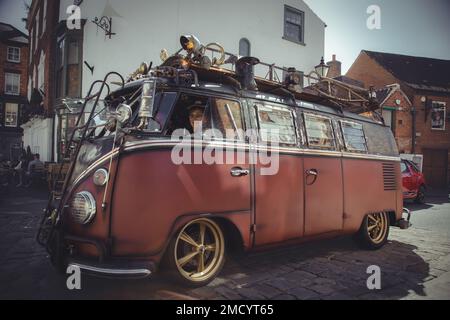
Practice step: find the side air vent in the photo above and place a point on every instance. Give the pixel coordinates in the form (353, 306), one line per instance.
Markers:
(389, 177)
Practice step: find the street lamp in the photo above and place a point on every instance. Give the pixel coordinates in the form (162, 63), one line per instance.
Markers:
(322, 68)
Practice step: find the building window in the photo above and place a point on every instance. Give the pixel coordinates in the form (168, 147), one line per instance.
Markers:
(438, 114)
(11, 114)
(36, 31)
(244, 47)
(12, 83)
(294, 22)
(13, 54)
(44, 17)
(30, 54)
(68, 68)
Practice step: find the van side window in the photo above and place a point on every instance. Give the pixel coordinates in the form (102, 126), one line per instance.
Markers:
(354, 138)
(226, 118)
(276, 125)
(319, 131)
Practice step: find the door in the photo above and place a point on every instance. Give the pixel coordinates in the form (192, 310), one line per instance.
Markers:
(322, 178)
(209, 176)
(278, 177)
(435, 164)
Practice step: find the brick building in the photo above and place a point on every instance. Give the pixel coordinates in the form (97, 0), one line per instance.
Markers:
(13, 89)
(416, 105)
(42, 23)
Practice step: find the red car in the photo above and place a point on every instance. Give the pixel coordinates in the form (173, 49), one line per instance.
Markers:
(413, 182)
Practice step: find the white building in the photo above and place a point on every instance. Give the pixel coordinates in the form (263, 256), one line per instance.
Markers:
(287, 33)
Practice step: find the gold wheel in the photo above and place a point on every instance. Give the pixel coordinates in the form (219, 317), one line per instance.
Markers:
(199, 250)
(377, 226)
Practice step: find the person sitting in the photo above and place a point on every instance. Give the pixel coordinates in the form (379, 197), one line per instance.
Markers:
(35, 169)
(196, 113)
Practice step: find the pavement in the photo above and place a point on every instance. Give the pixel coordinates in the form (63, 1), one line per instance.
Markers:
(414, 264)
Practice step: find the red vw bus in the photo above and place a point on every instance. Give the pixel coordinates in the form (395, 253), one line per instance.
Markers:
(196, 161)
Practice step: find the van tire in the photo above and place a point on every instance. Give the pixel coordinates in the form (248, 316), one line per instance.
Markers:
(374, 231)
(196, 253)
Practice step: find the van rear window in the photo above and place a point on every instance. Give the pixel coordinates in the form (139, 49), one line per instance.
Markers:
(354, 138)
(319, 131)
(380, 140)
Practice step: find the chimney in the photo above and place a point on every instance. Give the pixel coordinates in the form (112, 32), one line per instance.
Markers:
(335, 68)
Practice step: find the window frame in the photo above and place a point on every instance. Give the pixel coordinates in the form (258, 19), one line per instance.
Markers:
(18, 86)
(62, 66)
(209, 97)
(16, 112)
(346, 146)
(302, 26)
(333, 133)
(8, 52)
(258, 104)
(442, 106)
(211, 102)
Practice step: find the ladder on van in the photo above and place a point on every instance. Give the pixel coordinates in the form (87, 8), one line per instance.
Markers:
(60, 185)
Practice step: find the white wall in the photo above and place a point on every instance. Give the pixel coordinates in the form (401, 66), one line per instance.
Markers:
(145, 27)
(37, 133)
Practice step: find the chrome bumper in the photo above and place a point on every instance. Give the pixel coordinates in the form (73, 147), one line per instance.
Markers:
(112, 271)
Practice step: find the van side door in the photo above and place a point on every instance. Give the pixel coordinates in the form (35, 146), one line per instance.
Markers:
(278, 171)
(322, 176)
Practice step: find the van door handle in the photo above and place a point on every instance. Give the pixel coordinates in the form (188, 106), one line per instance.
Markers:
(239, 172)
(311, 172)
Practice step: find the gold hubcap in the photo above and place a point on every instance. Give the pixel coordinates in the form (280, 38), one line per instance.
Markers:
(199, 250)
(377, 224)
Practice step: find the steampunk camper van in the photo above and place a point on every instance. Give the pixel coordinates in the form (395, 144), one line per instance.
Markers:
(196, 160)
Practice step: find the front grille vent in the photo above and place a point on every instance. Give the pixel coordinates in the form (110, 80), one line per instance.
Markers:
(389, 177)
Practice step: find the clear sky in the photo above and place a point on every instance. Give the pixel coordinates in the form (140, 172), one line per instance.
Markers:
(12, 12)
(411, 27)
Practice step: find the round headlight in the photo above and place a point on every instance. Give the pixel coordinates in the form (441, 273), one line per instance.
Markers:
(100, 177)
(83, 207)
(143, 68)
(123, 113)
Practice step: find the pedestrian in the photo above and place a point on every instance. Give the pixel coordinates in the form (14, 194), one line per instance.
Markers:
(35, 169)
(21, 168)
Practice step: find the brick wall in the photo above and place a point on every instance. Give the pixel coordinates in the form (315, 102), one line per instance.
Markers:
(45, 44)
(402, 119)
(21, 68)
(367, 70)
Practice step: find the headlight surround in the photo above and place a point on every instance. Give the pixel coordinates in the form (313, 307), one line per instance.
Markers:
(123, 113)
(83, 207)
(100, 177)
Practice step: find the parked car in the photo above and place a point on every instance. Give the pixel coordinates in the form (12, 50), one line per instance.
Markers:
(414, 186)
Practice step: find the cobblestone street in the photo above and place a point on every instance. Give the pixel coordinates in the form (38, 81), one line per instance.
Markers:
(415, 264)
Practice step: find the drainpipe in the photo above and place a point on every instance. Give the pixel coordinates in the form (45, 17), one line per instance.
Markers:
(413, 113)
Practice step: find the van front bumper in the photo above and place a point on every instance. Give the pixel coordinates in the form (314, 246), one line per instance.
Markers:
(103, 265)
(130, 270)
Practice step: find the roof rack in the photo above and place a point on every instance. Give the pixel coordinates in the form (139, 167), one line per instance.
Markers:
(212, 63)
